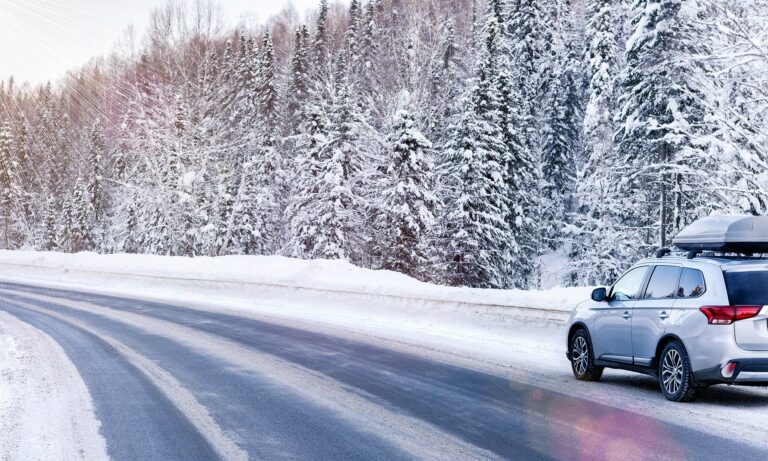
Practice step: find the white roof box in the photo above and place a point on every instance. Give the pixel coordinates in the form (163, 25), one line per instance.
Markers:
(729, 234)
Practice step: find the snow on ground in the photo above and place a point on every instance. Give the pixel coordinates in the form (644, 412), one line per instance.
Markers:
(45, 409)
(338, 276)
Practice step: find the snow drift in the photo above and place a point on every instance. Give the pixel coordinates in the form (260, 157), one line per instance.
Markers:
(320, 294)
(231, 274)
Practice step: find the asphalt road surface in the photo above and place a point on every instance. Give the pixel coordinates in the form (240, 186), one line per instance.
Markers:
(170, 382)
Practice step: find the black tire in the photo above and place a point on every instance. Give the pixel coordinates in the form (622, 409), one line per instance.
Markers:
(675, 375)
(582, 357)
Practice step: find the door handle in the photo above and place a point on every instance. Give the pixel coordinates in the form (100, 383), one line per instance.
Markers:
(626, 315)
(664, 316)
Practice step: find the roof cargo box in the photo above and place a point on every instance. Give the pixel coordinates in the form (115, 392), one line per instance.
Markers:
(728, 234)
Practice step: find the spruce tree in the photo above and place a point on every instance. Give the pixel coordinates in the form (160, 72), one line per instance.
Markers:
(299, 83)
(520, 171)
(82, 218)
(659, 118)
(267, 96)
(557, 162)
(9, 192)
(96, 153)
(308, 167)
(320, 51)
(353, 32)
(593, 257)
(268, 175)
(475, 234)
(526, 32)
(408, 203)
(50, 234)
(337, 206)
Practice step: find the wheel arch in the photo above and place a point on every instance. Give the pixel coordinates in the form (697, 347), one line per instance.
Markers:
(574, 328)
(666, 339)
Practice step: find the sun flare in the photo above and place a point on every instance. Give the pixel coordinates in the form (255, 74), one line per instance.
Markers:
(37, 36)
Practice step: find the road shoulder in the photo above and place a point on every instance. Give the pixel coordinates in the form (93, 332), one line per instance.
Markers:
(46, 411)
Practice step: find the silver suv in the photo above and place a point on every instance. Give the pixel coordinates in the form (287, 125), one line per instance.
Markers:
(691, 321)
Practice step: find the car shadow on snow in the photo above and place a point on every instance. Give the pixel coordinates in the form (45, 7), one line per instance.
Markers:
(721, 394)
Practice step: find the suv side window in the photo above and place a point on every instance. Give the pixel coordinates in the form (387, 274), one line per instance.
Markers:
(663, 283)
(629, 286)
(692, 284)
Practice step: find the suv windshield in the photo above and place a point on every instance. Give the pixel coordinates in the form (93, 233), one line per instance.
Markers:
(747, 288)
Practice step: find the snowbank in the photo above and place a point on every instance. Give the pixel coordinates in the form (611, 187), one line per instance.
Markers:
(46, 411)
(256, 273)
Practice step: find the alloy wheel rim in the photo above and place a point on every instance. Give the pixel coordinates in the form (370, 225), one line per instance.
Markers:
(672, 372)
(580, 355)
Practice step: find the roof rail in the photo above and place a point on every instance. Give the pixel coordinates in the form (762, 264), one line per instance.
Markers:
(661, 252)
(693, 253)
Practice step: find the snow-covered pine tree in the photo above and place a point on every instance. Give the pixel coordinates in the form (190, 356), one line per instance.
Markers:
(593, 257)
(338, 208)
(9, 190)
(50, 231)
(308, 173)
(473, 247)
(269, 176)
(248, 74)
(81, 237)
(253, 222)
(520, 171)
(299, 83)
(659, 119)
(333, 210)
(446, 88)
(353, 33)
(735, 104)
(408, 203)
(120, 165)
(526, 32)
(530, 71)
(368, 79)
(96, 152)
(320, 52)
(561, 127)
(23, 156)
(557, 158)
(68, 226)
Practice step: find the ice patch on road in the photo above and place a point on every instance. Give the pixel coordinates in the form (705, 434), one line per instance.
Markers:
(46, 411)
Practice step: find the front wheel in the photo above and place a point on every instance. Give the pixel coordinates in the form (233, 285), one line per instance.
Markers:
(675, 376)
(582, 358)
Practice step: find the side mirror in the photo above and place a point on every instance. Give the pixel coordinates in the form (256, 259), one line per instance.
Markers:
(600, 295)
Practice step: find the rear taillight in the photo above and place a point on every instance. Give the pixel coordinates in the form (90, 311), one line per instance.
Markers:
(726, 315)
(729, 370)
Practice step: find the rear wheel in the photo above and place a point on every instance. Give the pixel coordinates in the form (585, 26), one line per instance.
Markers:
(675, 376)
(583, 359)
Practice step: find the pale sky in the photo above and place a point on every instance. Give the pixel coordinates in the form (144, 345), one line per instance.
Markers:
(41, 39)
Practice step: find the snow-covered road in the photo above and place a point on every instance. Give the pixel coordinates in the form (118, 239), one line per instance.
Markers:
(287, 380)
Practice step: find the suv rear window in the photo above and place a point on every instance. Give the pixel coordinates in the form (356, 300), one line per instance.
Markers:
(747, 288)
(691, 284)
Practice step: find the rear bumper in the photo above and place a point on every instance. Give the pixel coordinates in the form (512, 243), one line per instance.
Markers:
(749, 372)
